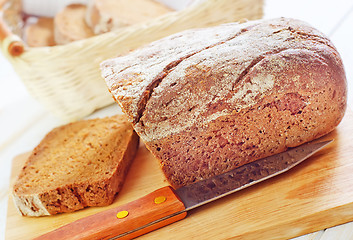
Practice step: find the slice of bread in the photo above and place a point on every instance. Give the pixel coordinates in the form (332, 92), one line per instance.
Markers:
(70, 24)
(106, 15)
(77, 165)
(41, 33)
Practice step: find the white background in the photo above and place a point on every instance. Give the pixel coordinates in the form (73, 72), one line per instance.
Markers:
(23, 121)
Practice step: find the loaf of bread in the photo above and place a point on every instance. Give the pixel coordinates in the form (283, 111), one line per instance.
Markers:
(70, 24)
(106, 15)
(206, 101)
(75, 166)
(41, 33)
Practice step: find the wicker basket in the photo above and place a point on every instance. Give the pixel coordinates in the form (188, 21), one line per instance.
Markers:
(66, 79)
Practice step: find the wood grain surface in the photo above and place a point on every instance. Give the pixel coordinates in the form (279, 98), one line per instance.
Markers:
(315, 195)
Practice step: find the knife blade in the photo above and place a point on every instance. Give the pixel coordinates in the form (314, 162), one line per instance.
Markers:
(167, 205)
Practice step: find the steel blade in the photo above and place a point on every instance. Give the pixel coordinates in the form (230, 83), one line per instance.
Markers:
(205, 191)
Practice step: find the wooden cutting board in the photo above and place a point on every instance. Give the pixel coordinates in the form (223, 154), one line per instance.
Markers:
(315, 195)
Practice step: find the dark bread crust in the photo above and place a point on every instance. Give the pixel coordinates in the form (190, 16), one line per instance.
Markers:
(271, 85)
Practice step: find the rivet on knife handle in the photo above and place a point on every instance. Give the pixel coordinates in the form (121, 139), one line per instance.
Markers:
(153, 211)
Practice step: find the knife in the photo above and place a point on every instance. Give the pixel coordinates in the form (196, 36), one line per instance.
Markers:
(167, 205)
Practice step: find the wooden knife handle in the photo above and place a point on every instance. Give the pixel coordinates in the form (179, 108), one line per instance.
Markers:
(123, 219)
